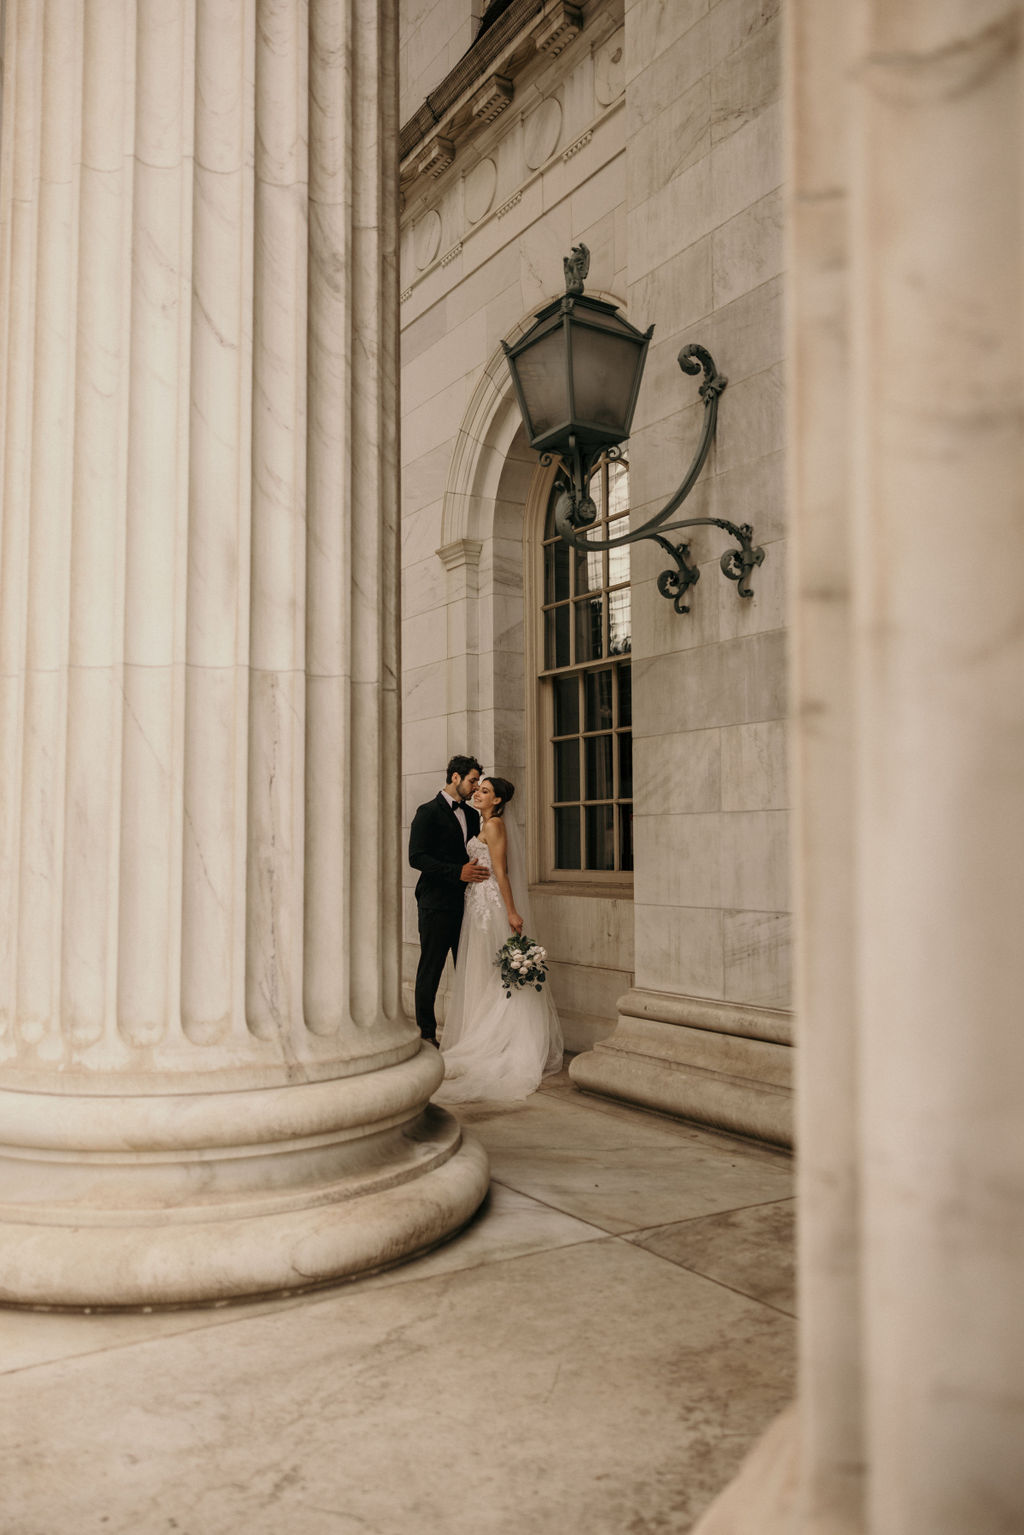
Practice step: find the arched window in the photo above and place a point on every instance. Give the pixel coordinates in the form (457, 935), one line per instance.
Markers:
(585, 700)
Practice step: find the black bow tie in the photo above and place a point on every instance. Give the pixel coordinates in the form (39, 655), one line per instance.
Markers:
(458, 805)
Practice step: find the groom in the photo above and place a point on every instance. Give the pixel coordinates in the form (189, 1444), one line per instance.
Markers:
(437, 847)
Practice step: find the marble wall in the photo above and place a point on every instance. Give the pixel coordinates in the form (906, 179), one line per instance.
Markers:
(704, 210)
(704, 172)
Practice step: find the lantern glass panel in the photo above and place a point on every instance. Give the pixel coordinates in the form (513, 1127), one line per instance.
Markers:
(542, 378)
(603, 371)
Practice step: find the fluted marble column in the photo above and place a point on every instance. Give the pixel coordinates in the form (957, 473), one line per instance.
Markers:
(906, 311)
(207, 1086)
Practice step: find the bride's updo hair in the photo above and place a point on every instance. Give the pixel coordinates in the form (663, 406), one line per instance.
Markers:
(503, 789)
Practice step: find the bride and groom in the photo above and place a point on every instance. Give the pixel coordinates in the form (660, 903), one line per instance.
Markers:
(470, 897)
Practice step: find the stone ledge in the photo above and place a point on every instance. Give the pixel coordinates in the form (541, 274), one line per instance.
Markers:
(709, 1068)
(738, 1018)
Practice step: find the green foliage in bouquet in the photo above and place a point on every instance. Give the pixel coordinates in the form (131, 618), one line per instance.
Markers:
(522, 963)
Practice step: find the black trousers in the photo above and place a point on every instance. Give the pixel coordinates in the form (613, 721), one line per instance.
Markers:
(439, 937)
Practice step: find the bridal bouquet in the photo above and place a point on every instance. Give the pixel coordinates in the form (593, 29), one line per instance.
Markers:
(522, 963)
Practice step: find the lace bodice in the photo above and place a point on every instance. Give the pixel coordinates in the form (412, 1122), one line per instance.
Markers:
(477, 848)
(485, 896)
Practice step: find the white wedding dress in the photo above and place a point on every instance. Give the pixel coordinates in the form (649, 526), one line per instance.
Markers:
(493, 1046)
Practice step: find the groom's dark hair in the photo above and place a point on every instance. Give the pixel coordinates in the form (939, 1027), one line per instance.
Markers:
(462, 766)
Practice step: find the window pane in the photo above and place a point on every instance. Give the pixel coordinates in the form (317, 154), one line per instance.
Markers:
(567, 705)
(567, 770)
(589, 624)
(556, 623)
(619, 626)
(618, 488)
(556, 571)
(625, 696)
(618, 559)
(599, 767)
(600, 836)
(597, 491)
(567, 839)
(625, 836)
(598, 701)
(589, 572)
(625, 766)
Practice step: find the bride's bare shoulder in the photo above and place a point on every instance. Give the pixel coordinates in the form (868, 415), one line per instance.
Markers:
(493, 831)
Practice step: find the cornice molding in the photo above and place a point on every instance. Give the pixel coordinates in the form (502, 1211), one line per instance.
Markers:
(482, 84)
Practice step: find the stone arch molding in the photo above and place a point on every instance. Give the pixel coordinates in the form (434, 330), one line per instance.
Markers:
(482, 446)
(481, 540)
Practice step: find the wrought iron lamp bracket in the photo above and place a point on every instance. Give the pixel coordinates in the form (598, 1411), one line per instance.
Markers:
(575, 510)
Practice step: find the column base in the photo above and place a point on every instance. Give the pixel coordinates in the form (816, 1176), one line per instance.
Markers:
(205, 1199)
(713, 1062)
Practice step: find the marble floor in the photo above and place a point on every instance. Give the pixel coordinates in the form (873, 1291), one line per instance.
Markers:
(595, 1353)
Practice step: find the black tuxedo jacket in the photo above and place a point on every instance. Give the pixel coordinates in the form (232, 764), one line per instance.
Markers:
(436, 848)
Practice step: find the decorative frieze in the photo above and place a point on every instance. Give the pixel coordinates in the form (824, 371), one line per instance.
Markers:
(509, 204)
(578, 144)
(449, 256)
(558, 29)
(492, 99)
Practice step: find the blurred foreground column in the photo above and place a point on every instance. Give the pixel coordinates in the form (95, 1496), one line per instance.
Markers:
(906, 338)
(207, 1086)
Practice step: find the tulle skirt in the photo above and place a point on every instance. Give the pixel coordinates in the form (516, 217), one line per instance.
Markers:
(493, 1046)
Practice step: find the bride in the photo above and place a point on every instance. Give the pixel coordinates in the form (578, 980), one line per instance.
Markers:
(495, 1046)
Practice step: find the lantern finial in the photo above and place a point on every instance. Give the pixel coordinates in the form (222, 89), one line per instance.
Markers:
(576, 268)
